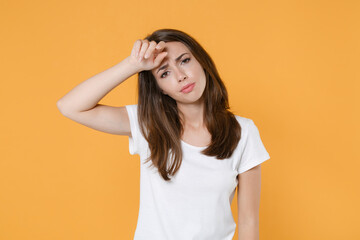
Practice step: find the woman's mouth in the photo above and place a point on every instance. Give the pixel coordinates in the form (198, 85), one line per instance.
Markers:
(188, 88)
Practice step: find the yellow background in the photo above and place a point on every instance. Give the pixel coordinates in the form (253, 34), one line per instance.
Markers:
(291, 66)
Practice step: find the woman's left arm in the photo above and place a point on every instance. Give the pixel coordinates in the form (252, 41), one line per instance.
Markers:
(249, 184)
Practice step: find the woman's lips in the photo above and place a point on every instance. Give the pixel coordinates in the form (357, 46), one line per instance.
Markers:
(188, 88)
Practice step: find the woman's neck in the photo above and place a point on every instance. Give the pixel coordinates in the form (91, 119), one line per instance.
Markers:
(192, 115)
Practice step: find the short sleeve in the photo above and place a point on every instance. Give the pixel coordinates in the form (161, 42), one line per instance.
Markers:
(134, 140)
(254, 152)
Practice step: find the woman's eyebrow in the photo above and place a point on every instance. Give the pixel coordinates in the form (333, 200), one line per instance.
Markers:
(176, 60)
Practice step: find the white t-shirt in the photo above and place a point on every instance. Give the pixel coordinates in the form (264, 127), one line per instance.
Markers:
(196, 203)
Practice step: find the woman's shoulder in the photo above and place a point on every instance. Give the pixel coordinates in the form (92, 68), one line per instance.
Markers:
(243, 121)
(132, 109)
(133, 106)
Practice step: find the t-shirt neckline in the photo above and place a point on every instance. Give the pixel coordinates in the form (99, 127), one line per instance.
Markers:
(192, 146)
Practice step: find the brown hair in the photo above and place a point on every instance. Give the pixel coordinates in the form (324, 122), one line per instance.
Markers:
(159, 117)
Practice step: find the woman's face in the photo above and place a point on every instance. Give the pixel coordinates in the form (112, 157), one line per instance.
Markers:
(178, 69)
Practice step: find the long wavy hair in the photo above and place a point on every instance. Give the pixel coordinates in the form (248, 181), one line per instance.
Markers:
(159, 118)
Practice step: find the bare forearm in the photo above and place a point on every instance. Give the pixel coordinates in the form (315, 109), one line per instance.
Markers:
(249, 231)
(88, 93)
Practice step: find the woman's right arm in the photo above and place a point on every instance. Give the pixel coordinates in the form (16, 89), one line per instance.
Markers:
(81, 103)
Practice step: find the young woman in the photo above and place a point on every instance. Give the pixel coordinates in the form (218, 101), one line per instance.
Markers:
(194, 152)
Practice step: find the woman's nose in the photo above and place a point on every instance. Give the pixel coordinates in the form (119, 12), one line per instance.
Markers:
(182, 78)
(181, 75)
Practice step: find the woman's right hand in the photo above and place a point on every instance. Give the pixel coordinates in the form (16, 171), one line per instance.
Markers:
(147, 56)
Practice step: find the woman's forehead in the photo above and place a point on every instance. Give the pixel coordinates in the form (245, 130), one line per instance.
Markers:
(174, 47)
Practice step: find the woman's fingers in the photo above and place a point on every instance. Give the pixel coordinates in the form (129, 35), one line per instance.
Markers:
(148, 55)
(159, 58)
(160, 45)
(159, 48)
(154, 48)
(150, 49)
(136, 48)
(144, 46)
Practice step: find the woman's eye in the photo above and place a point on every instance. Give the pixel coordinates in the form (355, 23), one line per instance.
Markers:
(163, 74)
(185, 60)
